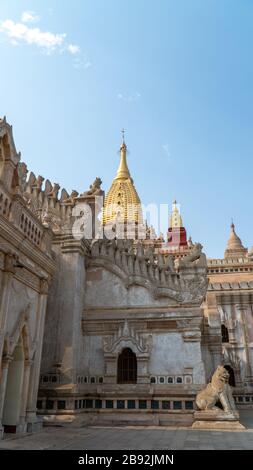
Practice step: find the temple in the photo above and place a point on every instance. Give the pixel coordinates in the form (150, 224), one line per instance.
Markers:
(111, 329)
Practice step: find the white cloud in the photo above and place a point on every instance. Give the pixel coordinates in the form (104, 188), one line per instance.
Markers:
(73, 49)
(21, 33)
(82, 63)
(129, 97)
(166, 150)
(47, 42)
(29, 17)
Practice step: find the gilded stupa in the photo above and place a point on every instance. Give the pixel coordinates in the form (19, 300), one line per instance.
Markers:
(122, 203)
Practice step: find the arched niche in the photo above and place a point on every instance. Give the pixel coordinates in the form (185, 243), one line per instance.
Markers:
(17, 351)
(13, 391)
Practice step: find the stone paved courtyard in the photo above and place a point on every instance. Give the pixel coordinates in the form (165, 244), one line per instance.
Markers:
(107, 438)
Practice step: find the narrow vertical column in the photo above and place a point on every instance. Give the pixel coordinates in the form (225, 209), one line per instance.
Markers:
(248, 368)
(65, 308)
(35, 368)
(9, 271)
(212, 338)
(231, 324)
(4, 374)
(110, 368)
(22, 421)
(215, 350)
(143, 372)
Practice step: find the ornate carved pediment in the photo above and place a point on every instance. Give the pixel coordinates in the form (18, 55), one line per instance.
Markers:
(127, 337)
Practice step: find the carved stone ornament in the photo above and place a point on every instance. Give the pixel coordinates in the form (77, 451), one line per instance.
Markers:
(142, 266)
(22, 174)
(44, 286)
(127, 337)
(10, 262)
(95, 189)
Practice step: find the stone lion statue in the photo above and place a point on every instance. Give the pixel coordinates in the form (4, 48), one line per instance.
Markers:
(217, 390)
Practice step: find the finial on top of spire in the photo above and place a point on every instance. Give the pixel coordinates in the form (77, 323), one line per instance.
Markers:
(123, 171)
(232, 223)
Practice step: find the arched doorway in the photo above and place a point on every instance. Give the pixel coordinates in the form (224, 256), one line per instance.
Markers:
(127, 367)
(231, 380)
(13, 392)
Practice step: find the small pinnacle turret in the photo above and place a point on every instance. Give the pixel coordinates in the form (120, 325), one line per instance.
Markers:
(177, 236)
(235, 247)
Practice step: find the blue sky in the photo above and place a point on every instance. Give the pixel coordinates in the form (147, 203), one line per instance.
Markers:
(177, 75)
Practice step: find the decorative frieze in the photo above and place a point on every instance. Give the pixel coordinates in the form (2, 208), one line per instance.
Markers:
(184, 283)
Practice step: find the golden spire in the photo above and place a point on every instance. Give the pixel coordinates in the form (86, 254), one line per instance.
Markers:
(175, 218)
(122, 201)
(123, 171)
